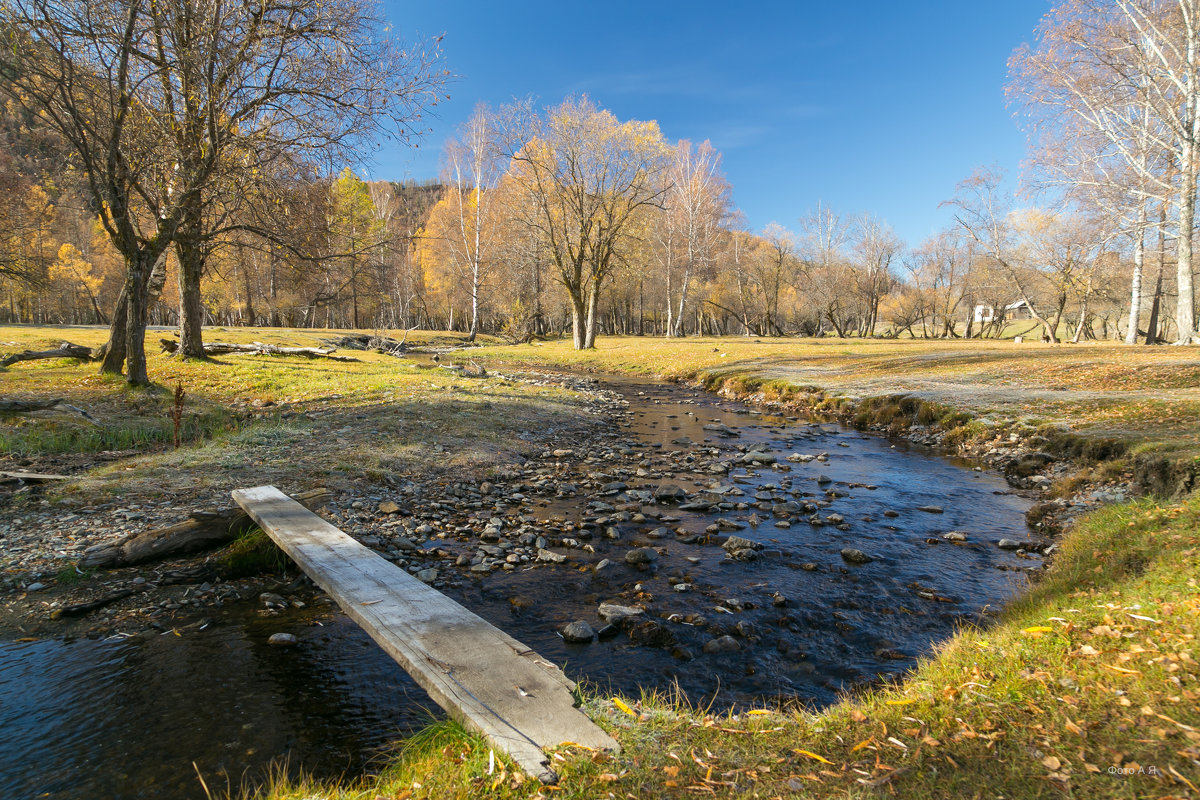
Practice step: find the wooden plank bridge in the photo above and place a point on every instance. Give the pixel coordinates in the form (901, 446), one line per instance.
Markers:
(480, 675)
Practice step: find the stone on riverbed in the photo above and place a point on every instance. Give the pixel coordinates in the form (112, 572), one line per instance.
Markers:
(611, 612)
(578, 632)
(736, 543)
(1010, 544)
(669, 493)
(854, 556)
(283, 639)
(722, 644)
(641, 555)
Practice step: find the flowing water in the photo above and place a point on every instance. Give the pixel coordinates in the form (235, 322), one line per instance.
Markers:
(126, 718)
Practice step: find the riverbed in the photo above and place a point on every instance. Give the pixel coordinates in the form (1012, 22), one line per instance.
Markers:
(797, 620)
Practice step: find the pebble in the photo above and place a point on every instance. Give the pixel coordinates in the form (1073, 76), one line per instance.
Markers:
(283, 639)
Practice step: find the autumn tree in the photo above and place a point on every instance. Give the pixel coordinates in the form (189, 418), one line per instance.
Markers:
(696, 204)
(582, 176)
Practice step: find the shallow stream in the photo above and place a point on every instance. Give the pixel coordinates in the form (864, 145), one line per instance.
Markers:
(126, 718)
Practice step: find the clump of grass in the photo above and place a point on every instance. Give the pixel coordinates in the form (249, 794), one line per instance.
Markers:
(253, 553)
(72, 576)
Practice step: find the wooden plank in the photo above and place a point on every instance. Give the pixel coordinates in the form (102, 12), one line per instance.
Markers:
(480, 675)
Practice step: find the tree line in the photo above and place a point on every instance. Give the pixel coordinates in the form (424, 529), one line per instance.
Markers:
(163, 146)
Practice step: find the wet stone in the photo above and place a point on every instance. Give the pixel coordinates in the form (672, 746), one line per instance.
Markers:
(854, 556)
(282, 640)
(641, 555)
(722, 644)
(578, 632)
(611, 612)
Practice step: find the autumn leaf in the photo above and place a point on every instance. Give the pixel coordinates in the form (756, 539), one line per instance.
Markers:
(811, 755)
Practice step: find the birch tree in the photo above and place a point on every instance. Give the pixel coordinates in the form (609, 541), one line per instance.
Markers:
(697, 203)
(1128, 72)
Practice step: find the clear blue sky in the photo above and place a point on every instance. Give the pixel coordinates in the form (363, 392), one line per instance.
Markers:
(868, 106)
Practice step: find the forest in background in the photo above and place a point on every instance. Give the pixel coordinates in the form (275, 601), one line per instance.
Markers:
(565, 218)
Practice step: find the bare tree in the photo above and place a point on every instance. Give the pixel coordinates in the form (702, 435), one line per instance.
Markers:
(1128, 73)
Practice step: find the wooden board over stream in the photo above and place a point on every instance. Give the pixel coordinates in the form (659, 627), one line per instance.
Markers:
(480, 675)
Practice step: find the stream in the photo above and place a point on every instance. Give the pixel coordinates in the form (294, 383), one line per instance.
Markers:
(796, 621)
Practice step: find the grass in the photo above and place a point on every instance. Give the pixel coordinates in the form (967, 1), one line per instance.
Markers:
(251, 419)
(1146, 398)
(1092, 673)
(253, 553)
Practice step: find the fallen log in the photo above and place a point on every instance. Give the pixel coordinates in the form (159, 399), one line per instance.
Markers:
(254, 348)
(31, 477)
(64, 350)
(14, 406)
(87, 606)
(366, 341)
(201, 531)
(79, 609)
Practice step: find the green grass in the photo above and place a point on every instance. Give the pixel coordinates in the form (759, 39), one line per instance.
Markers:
(253, 553)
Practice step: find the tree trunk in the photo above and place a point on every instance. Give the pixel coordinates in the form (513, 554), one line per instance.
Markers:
(578, 322)
(113, 351)
(593, 300)
(135, 322)
(191, 313)
(1135, 289)
(1185, 315)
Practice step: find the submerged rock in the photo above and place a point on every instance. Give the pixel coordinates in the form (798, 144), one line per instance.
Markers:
(610, 612)
(722, 644)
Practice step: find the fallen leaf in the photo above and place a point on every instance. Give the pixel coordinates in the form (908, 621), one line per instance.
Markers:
(1051, 762)
(811, 755)
(619, 703)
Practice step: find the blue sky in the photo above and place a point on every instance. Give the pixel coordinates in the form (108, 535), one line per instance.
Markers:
(872, 106)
